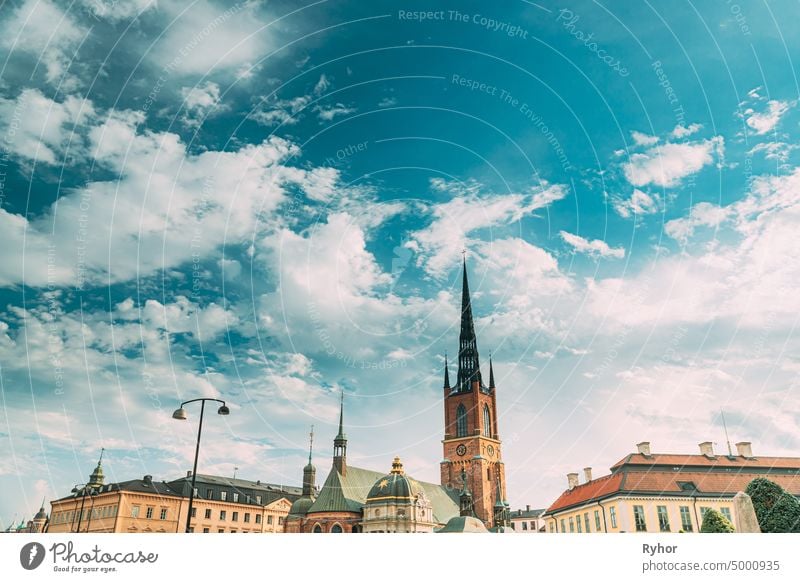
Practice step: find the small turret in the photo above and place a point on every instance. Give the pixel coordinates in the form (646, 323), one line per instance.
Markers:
(97, 478)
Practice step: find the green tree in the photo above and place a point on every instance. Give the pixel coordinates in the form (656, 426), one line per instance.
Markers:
(715, 522)
(776, 510)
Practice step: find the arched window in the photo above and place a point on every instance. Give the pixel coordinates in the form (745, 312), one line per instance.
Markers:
(487, 421)
(461, 421)
(317, 529)
(336, 528)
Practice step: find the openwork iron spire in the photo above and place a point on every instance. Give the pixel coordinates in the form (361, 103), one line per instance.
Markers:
(446, 373)
(469, 367)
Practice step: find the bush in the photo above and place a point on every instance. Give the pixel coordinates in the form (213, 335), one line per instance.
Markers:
(776, 510)
(715, 522)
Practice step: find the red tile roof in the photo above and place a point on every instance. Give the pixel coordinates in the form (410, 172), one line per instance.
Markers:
(592, 490)
(710, 476)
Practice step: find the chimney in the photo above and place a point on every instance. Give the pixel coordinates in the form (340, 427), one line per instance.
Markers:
(587, 473)
(527, 508)
(643, 448)
(148, 479)
(188, 474)
(572, 480)
(707, 449)
(745, 449)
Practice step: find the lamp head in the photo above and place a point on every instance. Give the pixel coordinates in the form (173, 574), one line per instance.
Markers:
(179, 414)
(224, 410)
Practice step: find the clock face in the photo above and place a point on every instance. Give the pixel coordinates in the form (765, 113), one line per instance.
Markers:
(461, 450)
(490, 450)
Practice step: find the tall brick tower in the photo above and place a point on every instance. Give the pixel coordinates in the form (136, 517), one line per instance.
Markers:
(471, 440)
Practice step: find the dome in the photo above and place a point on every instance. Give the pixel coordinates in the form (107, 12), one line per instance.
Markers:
(41, 514)
(301, 506)
(396, 486)
(463, 524)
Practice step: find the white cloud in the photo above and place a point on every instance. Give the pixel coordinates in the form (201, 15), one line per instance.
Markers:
(43, 30)
(200, 102)
(329, 112)
(595, 248)
(275, 111)
(764, 121)
(682, 131)
(37, 128)
(774, 150)
(639, 204)
(701, 214)
(668, 164)
(642, 139)
(454, 221)
(118, 10)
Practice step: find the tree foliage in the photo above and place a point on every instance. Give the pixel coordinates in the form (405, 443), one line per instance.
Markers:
(715, 522)
(776, 510)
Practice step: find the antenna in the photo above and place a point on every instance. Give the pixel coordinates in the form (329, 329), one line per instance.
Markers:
(727, 439)
(310, 443)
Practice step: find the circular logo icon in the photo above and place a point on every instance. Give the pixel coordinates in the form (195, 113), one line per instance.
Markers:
(31, 555)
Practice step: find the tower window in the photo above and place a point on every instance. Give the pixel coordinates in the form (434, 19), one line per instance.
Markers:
(487, 421)
(461, 421)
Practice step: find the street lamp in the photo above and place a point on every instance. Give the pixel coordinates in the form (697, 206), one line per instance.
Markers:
(84, 490)
(180, 414)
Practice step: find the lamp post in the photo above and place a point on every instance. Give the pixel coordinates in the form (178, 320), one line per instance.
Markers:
(83, 490)
(180, 414)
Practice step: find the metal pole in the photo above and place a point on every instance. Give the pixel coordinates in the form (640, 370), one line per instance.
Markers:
(80, 515)
(91, 511)
(194, 471)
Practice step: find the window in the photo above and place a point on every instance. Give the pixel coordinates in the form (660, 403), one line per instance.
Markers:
(205, 530)
(221, 530)
(235, 516)
(552, 527)
(258, 499)
(236, 498)
(233, 531)
(596, 520)
(571, 525)
(638, 518)
(578, 520)
(195, 492)
(703, 511)
(563, 527)
(686, 518)
(247, 499)
(209, 494)
(247, 518)
(135, 511)
(461, 421)
(223, 495)
(222, 515)
(258, 518)
(488, 474)
(487, 421)
(280, 521)
(149, 514)
(208, 514)
(194, 512)
(586, 522)
(727, 513)
(191, 530)
(164, 512)
(612, 512)
(269, 520)
(317, 529)
(524, 526)
(663, 518)
(335, 529)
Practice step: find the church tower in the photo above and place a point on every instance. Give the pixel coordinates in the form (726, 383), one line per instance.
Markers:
(472, 445)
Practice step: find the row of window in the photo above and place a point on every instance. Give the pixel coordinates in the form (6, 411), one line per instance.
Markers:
(578, 525)
(149, 511)
(235, 496)
(461, 421)
(95, 513)
(223, 516)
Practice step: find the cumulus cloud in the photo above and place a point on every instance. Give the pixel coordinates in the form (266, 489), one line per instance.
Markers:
(469, 211)
(643, 139)
(682, 131)
(638, 204)
(594, 248)
(701, 214)
(669, 164)
(273, 111)
(764, 121)
(200, 102)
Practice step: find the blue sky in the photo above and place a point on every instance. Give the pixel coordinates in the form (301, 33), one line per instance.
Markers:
(267, 203)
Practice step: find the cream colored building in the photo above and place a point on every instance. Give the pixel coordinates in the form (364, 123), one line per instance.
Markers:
(660, 493)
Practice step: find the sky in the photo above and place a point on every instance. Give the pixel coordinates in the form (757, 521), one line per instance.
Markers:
(267, 203)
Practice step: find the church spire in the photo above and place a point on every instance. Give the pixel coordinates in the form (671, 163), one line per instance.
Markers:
(446, 373)
(97, 478)
(340, 442)
(491, 373)
(309, 472)
(469, 367)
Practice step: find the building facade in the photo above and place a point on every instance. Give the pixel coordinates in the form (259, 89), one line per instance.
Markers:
(528, 520)
(660, 493)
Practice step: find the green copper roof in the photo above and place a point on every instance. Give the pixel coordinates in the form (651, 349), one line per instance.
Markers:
(349, 493)
(463, 524)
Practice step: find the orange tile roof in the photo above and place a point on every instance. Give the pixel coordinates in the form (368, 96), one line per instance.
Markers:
(703, 461)
(594, 489)
(711, 476)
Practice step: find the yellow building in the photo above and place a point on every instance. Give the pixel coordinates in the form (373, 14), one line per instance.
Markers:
(659, 493)
(220, 505)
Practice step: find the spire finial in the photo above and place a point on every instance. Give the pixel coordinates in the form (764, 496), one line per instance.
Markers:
(491, 373)
(100, 460)
(341, 414)
(469, 368)
(310, 443)
(446, 372)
